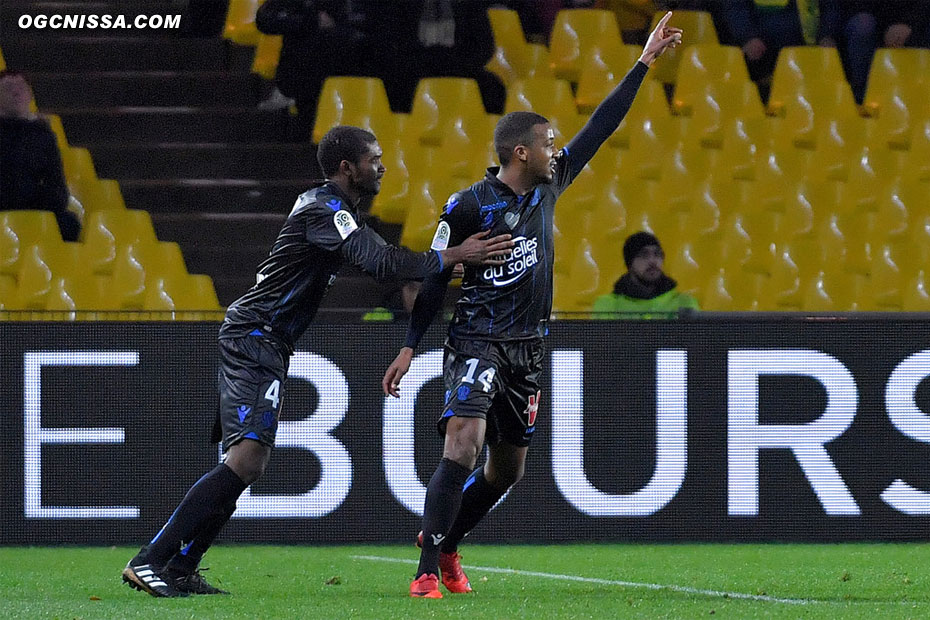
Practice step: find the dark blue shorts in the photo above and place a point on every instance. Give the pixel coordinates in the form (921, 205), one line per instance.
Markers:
(251, 386)
(497, 381)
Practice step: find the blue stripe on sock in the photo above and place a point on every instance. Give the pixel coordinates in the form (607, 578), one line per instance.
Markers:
(470, 481)
(187, 548)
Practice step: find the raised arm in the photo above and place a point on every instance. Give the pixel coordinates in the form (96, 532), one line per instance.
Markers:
(609, 114)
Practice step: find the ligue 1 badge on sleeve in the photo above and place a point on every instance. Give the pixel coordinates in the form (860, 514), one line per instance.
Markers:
(345, 223)
(441, 238)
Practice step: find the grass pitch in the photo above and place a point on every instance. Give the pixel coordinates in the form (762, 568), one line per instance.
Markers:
(539, 582)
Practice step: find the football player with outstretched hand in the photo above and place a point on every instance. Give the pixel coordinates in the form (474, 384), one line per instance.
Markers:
(494, 351)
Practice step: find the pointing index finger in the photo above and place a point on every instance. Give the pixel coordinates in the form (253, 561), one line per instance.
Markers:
(664, 20)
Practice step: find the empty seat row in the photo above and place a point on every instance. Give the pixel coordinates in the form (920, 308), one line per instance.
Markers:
(118, 265)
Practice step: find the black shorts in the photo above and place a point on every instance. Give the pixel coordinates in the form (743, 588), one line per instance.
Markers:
(251, 386)
(497, 381)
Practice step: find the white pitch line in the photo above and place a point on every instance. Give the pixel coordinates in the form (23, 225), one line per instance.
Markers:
(611, 582)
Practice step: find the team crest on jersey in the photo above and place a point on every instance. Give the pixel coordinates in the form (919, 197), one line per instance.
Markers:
(532, 407)
(441, 238)
(511, 219)
(344, 222)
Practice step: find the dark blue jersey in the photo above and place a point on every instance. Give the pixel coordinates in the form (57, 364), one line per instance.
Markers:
(510, 301)
(513, 301)
(320, 234)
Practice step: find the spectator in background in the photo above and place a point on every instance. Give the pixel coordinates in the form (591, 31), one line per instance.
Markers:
(432, 38)
(763, 27)
(321, 38)
(538, 16)
(31, 174)
(644, 288)
(858, 27)
(202, 18)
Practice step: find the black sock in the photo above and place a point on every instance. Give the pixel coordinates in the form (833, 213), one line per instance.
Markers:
(443, 498)
(478, 498)
(188, 559)
(205, 500)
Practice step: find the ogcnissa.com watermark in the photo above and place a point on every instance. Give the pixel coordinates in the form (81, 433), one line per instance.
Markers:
(58, 21)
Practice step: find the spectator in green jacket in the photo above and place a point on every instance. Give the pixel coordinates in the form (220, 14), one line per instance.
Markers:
(644, 289)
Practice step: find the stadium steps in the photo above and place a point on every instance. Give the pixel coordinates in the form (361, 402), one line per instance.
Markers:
(174, 120)
(124, 53)
(102, 89)
(231, 195)
(206, 160)
(160, 125)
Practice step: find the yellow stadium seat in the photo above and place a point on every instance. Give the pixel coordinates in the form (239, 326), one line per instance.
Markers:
(2, 62)
(549, 97)
(162, 259)
(78, 293)
(702, 65)
(32, 227)
(127, 284)
(887, 278)
(652, 143)
(357, 101)
(838, 141)
(698, 28)
(916, 294)
(105, 231)
(918, 165)
(201, 294)
(574, 33)
(111, 196)
(424, 204)
(601, 71)
(742, 149)
(834, 290)
(859, 233)
(511, 60)
(54, 121)
(78, 165)
(136, 265)
(716, 295)
(809, 87)
(267, 55)
(537, 63)
(683, 168)
(649, 108)
(467, 149)
(894, 67)
(443, 104)
(902, 106)
(39, 268)
(240, 22)
(720, 103)
(21, 229)
(402, 157)
(896, 203)
(871, 169)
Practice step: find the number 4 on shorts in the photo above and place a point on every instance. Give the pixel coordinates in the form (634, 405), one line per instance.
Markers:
(272, 393)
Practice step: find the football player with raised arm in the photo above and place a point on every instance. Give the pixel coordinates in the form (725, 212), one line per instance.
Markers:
(494, 351)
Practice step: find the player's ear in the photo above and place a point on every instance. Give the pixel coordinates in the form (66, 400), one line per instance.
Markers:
(520, 152)
(346, 168)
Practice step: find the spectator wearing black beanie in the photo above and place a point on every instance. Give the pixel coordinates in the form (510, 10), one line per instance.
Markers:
(644, 290)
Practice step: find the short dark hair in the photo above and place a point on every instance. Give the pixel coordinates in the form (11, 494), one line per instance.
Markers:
(343, 143)
(514, 129)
